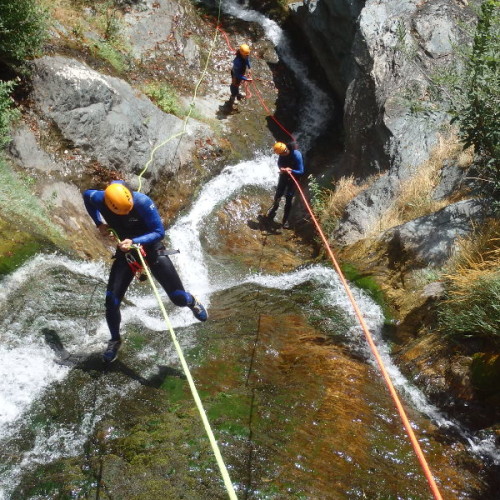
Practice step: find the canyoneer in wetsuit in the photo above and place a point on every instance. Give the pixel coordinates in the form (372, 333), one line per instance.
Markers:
(289, 162)
(240, 64)
(135, 219)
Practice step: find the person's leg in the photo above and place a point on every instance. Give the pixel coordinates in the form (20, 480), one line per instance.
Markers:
(280, 189)
(234, 88)
(287, 209)
(289, 193)
(166, 274)
(119, 280)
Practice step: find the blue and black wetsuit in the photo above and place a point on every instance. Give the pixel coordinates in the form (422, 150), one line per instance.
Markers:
(286, 186)
(240, 65)
(144, 227)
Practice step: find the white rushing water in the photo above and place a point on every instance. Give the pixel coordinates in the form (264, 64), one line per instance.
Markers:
(317, 107)
(27, 365)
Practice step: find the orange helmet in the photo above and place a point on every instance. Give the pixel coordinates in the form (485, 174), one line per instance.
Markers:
(244, 49)
(280, 148)
(118, 198)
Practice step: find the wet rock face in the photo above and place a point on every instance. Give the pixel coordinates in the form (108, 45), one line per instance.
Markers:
(370, 52)
(330, 27)
(107, 118)
(380, 67)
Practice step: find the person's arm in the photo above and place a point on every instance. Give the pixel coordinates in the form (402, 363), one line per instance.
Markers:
(93, 199)
(299, 163)
(148, 212)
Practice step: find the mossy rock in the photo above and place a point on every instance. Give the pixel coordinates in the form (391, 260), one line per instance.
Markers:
(485, 374)
(17, 246)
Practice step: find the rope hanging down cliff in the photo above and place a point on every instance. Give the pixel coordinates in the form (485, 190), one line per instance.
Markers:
(194, 392)
(206, 424)
(414, 442)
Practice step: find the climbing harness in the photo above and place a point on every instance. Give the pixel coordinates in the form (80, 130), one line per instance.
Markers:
(194, 392)
(135, 266)
(375, 352)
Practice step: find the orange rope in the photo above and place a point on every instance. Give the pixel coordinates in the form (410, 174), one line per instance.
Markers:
(271, 115)
(373, 347)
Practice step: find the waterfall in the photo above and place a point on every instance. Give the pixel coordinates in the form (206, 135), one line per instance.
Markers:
(317, 109)
(52, 293)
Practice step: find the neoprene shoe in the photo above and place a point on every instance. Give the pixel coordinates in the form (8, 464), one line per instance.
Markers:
(111, 352)
(199, 312)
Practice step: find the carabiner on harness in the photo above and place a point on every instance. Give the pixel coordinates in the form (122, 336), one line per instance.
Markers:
(136, 267)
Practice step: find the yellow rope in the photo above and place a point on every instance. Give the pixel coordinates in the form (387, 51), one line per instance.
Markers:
(194, 392)
(191, 105)
(206, 423)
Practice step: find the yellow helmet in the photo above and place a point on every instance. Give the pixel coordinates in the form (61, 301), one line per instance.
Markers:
(244, 49)
(280, 148)
(118, 198)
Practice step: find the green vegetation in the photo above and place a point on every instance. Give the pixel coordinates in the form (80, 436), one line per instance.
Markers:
(479, 118)
(23, 30)
(165, 97)
(8, 113)
(368, 284)
(107, 52)
(472, 307)
(470, 91)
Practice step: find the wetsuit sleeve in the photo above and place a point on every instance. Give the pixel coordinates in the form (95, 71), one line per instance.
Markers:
(94, 199)
(239, 68)
(299, 163)
(148, 212)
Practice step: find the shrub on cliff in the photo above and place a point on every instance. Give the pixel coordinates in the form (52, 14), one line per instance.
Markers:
(475, 310)
(7, 112)
(23, 29)
(472, 307)
(479, 115)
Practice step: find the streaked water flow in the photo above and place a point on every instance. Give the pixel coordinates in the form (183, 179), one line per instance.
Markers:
(55, 299)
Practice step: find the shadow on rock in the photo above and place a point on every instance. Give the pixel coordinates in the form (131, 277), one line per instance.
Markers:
(226, 109)
(265, 225)
(93, 363)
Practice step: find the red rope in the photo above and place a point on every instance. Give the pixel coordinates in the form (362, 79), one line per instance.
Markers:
(224, 34)
(369, 338)
(373, 347)
(271, 115)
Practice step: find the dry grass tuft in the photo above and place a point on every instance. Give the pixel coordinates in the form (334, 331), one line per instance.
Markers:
(345, 190)
(415, 198)
(473, 286)
(477, 257)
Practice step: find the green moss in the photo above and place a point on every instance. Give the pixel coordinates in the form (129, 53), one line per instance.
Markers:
(231, 412)
(17, 246)
(176, 388)
(136, 340)
(485, 373)
(369, 285)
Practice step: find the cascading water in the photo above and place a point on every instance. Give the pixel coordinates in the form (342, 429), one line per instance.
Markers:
(64, 312)
(317, 107)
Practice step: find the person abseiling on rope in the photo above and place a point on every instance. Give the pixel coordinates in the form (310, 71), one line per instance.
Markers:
(135, 219)
(240, 64)
(289, 162)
